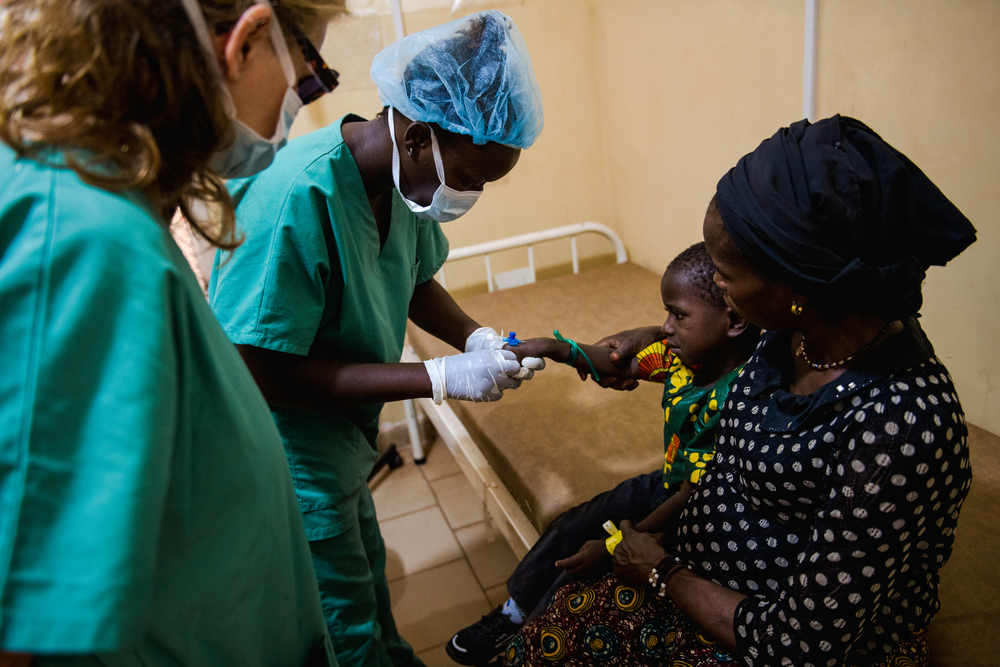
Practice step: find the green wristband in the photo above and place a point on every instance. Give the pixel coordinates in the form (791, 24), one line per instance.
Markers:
(574, 351)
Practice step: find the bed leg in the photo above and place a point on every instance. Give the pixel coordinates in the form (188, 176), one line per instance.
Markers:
(411, 424)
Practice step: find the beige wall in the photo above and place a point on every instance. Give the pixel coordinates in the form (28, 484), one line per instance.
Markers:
(649, 102)
(688, 86)
(926, 75)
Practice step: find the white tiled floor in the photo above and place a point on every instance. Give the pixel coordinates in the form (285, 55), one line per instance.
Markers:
(443, 571)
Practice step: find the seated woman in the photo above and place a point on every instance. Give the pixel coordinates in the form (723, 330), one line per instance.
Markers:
(817, 536)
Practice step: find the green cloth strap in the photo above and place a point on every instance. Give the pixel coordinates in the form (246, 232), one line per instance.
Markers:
(574, 351)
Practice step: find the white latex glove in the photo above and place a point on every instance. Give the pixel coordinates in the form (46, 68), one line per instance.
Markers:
(528, 367)
(479, 376)
(486, 338)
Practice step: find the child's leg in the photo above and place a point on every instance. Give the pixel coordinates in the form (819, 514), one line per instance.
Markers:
(633, 499)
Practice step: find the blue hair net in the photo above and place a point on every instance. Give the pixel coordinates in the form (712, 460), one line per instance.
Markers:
(471, 76)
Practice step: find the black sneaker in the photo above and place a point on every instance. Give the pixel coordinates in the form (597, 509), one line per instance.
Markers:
(482, 641)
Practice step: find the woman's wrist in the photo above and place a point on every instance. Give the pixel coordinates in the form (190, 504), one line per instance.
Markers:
(663, 572)
(679, 580)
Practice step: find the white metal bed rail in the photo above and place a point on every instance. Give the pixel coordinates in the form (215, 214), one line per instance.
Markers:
(527, 274)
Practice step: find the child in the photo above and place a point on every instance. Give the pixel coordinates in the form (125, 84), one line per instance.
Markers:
(703, 346)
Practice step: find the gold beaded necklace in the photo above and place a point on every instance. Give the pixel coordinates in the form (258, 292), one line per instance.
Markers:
(801, 352)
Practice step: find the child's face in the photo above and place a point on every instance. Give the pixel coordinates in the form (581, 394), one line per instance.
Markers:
(694, 328)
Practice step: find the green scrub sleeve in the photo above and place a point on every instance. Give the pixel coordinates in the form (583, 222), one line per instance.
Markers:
(272, 291)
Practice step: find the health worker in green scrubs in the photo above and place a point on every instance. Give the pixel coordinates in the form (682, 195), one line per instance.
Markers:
(342, 242)
(147, 515)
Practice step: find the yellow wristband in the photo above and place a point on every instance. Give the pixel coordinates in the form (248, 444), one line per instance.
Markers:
(613, 541)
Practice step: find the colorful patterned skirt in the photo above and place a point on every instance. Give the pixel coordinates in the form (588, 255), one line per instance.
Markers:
(609, 623)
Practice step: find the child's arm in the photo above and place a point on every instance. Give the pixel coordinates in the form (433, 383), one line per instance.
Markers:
(561, 352)
(593, 556)
(660, 519)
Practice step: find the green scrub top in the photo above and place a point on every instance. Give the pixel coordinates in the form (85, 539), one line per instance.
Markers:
(147, 516)
(310, 278)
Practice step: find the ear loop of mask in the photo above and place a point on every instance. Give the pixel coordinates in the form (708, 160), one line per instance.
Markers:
(435, 151)
(396, 167)
(197, 19)
(280, 46)
(447, 203)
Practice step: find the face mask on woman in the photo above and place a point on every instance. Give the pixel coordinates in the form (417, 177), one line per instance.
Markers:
(249, 153)
(447, 203)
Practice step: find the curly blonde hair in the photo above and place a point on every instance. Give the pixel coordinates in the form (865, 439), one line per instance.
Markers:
(124, 88)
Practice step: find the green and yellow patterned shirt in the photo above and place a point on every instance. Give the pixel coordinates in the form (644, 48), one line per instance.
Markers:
(690, 413)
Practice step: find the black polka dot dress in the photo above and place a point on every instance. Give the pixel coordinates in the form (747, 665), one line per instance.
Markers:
(834, 512)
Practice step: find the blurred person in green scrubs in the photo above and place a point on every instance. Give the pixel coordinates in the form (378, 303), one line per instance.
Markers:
(147, 516)
(342, 243)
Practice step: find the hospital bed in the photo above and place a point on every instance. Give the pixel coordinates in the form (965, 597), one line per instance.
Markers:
(556, 441)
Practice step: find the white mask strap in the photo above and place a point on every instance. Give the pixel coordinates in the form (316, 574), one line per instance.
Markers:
(438, 163)
(280, 45)
(197, 18)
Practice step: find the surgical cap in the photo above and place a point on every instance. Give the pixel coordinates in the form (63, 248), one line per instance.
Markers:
(471, 76)
(838, 214)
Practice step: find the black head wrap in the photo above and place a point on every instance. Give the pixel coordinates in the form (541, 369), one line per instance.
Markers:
(841, 216)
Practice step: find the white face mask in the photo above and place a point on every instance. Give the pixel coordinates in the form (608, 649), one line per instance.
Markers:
(447, 203)
(249, 153)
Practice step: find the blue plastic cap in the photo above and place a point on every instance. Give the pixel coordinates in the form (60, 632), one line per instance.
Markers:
(471, 76)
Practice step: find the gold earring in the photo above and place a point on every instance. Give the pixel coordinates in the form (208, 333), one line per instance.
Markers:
(796, 308)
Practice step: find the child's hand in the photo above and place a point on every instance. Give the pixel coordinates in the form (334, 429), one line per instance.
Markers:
(529, 356)
(539, 347)
(591, 560)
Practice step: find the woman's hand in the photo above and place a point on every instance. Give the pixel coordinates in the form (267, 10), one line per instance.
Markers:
(591, 560)
(637, 554)
(617, 384)
(625, 345)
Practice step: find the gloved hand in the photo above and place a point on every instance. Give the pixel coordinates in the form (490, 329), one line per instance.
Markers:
(486, 338)
(528, 367)
(479, 376)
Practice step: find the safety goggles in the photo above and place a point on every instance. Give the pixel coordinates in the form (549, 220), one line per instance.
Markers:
(322, 79)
